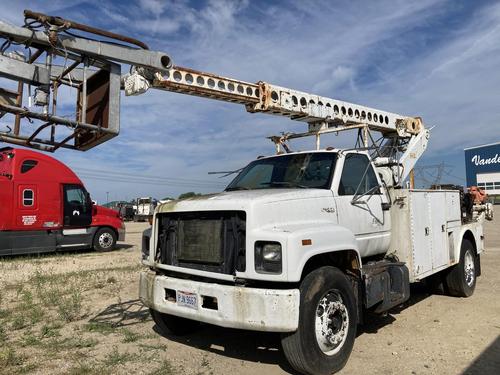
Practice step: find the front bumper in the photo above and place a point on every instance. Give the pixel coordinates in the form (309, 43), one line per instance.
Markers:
(121, 234)
(272, 310)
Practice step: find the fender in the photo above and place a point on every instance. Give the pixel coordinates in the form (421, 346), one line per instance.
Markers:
(475, 231)
(324, 238)
(105, 217)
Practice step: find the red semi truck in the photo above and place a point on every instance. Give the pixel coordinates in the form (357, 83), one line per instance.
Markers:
(44, 207)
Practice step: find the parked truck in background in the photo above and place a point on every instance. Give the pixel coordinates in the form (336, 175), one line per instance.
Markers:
(44, 207)
(145, 209)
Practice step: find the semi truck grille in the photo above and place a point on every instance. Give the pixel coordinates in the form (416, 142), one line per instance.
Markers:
(209, 240)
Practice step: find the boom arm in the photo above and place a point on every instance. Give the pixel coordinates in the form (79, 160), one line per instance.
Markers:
(264, 97)
(98, 90)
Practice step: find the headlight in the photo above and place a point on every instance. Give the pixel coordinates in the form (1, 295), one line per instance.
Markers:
(268, 257)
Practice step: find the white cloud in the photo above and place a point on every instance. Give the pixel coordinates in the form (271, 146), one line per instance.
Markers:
(155, 7)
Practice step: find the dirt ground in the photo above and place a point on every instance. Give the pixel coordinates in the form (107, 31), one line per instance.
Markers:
(78, 313)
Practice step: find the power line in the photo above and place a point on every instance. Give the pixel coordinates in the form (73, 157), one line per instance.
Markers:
(124, 174)
(424, 173)
(149, 182)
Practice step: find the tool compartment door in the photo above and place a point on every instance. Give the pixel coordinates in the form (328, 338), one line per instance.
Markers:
(438, 213)
(421, 233)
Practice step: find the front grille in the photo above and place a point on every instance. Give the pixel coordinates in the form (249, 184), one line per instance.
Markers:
(206, 240)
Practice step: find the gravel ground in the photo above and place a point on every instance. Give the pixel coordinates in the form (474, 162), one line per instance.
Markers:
(78, 313)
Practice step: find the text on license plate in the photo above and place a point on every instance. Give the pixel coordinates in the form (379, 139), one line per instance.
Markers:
(187, 299)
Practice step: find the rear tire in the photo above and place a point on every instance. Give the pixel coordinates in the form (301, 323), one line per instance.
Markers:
(460, 281)
(105, 240)
(327, 324)
(174, 325)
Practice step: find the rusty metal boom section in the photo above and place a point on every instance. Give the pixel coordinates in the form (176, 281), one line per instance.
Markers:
(264, 97)
(44, 63)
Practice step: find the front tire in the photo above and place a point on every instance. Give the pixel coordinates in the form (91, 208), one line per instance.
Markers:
(460, 281)
(105, 240)
(175, 325)
(327, 324)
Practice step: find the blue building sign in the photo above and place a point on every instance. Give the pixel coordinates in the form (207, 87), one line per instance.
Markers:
(481, 160)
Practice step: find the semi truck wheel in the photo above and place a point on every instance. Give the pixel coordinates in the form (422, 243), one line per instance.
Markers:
(460, 281)
(105, 239)
(175, 325)
(327, 324)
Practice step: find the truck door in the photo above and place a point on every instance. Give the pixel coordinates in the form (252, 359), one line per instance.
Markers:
(360, 198)
(77, 208)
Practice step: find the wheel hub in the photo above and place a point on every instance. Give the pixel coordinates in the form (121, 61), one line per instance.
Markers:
(105, 240)
(332, 322)
(469, 268)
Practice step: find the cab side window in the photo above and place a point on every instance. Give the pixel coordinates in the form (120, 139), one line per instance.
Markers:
(28, 198)
(28, 165)
(75, 198)
(358, 176)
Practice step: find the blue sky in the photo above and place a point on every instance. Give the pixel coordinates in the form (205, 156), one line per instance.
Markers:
(436, 59)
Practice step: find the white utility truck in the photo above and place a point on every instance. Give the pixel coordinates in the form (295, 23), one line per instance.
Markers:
(145, 208)
(302, 243)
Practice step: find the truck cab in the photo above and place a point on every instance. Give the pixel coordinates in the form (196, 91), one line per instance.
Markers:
(303, 243)
(44, 207)
(283, 200)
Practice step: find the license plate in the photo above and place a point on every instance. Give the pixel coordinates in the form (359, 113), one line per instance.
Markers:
(187, 299)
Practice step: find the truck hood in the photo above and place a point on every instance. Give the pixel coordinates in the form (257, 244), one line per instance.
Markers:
(243, 199)
(104, 211)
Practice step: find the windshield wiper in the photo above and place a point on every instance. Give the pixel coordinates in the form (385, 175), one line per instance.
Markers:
(285, 183)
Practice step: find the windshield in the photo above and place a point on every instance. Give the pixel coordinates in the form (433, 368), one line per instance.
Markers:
(144, 201)
(307, 170)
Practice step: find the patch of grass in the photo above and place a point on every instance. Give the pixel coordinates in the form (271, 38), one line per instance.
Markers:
(3, 335)
(19, 322)
(129, 336)
(205, 362)
(50, 295)
(165, 369)
(27, 368)
(86, 342)
(9, 357)
(29, 308)
(101, 327)
(29, 339)
(70, 306)
(116, 358)
(5, 314)
(85, 369)
(65, 278)
(50, 330)
(56, 344)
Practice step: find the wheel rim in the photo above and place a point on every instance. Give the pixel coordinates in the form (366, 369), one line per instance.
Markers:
(332, 322)
(105, 240)
(469, 270)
